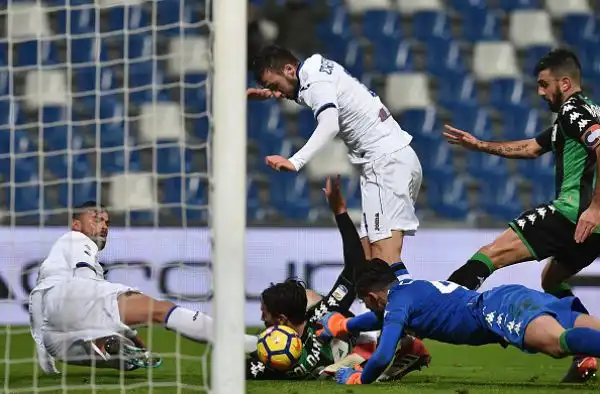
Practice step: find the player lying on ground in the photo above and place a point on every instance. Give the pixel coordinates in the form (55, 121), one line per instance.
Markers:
(379, 148)
(444, 311)
(568, 227)
(80, 318)
(286, 304)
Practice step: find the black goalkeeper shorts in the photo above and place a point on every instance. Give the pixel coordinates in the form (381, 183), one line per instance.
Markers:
(547, 233)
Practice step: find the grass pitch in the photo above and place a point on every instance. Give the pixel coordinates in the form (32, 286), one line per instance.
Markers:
(454, 369)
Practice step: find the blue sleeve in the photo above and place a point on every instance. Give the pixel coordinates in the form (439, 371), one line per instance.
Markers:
(384, 355)
(365, 322)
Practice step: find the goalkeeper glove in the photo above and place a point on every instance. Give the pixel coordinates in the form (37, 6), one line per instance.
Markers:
(348, 376)
(334, 326)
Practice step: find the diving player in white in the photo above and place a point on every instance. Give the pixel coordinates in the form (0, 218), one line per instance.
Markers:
(80, 318)
(390, 170)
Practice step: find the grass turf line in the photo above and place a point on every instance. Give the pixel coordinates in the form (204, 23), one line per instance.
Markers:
(454, 369)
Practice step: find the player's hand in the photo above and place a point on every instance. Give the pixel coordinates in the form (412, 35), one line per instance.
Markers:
(261, 94)
(334, 326)
(348, 376)
(280, 163)
(455, 136)
(334, 195)
(588, 221)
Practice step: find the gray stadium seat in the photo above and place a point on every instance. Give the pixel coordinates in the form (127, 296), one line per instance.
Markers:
(132, 191)
(412, 6)
(494, 60)
(407, 90)
(530, 27)
(26, 21)
(331, 160)
(161, 121)
(188, 55)
(357, 7)
(45, 88)
(560, 8)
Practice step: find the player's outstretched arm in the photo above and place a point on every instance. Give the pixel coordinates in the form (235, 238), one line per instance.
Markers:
(354, 255)
(261, 94)
(336, 325)
(522, 149)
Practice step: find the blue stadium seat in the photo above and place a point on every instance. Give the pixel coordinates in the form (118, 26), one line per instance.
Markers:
(465, 6)
(512, 5)
(26, 191)
(521, 123)
(290, 195)
(123, 19)
(544, 190)
(145, 83)
(77, 192)
(481, 25)
(501, 199)
(117, 159)
(17, 143)
(336, 26)
(507, 93)
(486, 167)
(36, 53)
(86, 50)
(194, 96)
(448, 198)
(378, 24)
(445, 60)
(55, 127)
(72, 165)
(533, 55)
(11, 115)
(393, 55)
(431, 25)
(457, 92)
(580, 28)
(190, 192)
(74, 21)
(347, 52)
(95, 80)
(437, 161)
(306, 123)
(171, 158)
(423, 125)
(475, 120)
(174, 15)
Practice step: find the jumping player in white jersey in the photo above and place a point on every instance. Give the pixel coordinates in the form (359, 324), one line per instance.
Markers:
(80, 318)
(379, 148)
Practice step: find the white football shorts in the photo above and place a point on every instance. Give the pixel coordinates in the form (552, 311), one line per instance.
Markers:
(389, 190)
(81, 309)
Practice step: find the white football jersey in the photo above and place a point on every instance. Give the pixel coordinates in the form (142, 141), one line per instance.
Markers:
(366, 126)
(67, 252)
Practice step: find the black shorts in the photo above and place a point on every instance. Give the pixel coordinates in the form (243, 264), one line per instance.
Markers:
(547, 233)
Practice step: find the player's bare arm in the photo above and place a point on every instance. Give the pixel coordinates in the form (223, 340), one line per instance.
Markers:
(590, 218)
(522, 149)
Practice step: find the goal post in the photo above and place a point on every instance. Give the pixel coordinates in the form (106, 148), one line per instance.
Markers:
(228, 194)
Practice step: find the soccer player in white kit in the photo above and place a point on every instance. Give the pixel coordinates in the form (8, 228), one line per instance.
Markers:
(390, 172)
(75, 313)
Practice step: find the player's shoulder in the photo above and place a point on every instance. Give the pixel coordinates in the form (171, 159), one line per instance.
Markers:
(315, 68)
(578, 107)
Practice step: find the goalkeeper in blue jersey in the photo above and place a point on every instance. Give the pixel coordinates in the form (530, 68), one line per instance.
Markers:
(444, 311)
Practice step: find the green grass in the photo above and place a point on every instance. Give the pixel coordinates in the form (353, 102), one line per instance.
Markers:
(462, 370)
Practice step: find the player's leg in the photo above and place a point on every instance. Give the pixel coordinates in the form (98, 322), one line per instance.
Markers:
(139, 309)
(544, 334)
(535, 235)
(554, 276)
(389, 191)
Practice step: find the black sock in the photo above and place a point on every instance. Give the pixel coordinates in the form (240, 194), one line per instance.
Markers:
(474, 272)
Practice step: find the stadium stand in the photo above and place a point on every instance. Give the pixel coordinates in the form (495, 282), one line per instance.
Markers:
(467, 62)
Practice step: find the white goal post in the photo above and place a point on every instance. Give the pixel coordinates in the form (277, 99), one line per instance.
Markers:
(228, 194)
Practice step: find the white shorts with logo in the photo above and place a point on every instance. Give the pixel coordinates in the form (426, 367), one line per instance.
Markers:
(81, 309)
(389, 189)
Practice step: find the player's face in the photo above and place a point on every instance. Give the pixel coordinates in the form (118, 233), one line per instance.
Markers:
(550, 89)
(94, 224)
(376, 301)
(283, 82)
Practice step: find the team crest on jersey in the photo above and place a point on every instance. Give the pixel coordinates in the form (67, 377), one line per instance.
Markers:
(340, 292)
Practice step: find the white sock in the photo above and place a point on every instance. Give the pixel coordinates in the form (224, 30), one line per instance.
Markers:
(199, 327)
(191, 324)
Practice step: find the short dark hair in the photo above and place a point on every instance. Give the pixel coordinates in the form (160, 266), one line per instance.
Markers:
(375, 275)
(271, 58)
(286, 298)
(87, 206)
(560, 60)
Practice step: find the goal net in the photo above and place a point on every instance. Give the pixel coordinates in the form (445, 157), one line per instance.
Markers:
(113, 101)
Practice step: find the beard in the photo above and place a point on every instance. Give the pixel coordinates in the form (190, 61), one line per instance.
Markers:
(556, 101)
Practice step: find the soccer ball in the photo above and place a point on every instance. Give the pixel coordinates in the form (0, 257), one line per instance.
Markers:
(279, 347)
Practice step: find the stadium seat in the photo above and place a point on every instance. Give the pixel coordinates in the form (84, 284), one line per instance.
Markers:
(393, 55)
(358, 7)
(467, 6)
(507, 93)
(415, 83)
(486, 167)
(85, 51)
(381, 24)
(172, 158)
(188, 55)
(76, 21)
(192, 195)
(77, 191)
(578, 29)
(45, 88)
(72, 164)
(513, 5)
(121, 158)
(448, 198)
(336, 26)
(431, 25)
(457, 91)
(423, 125)
(55, 127)
(195, 94)
(36, 53)
(533, 55)
(347, 52)
(306, 123)
(26, 20)
(445, 60)
(530, 28)
(160, 121)
(127, 16)
(501, 199)
(493, 60)
(175, 17)
(133, 191)
(476, 120)
(332, 159)
(480, 24)
(18, 151)
(412, 6)
(562, 8)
